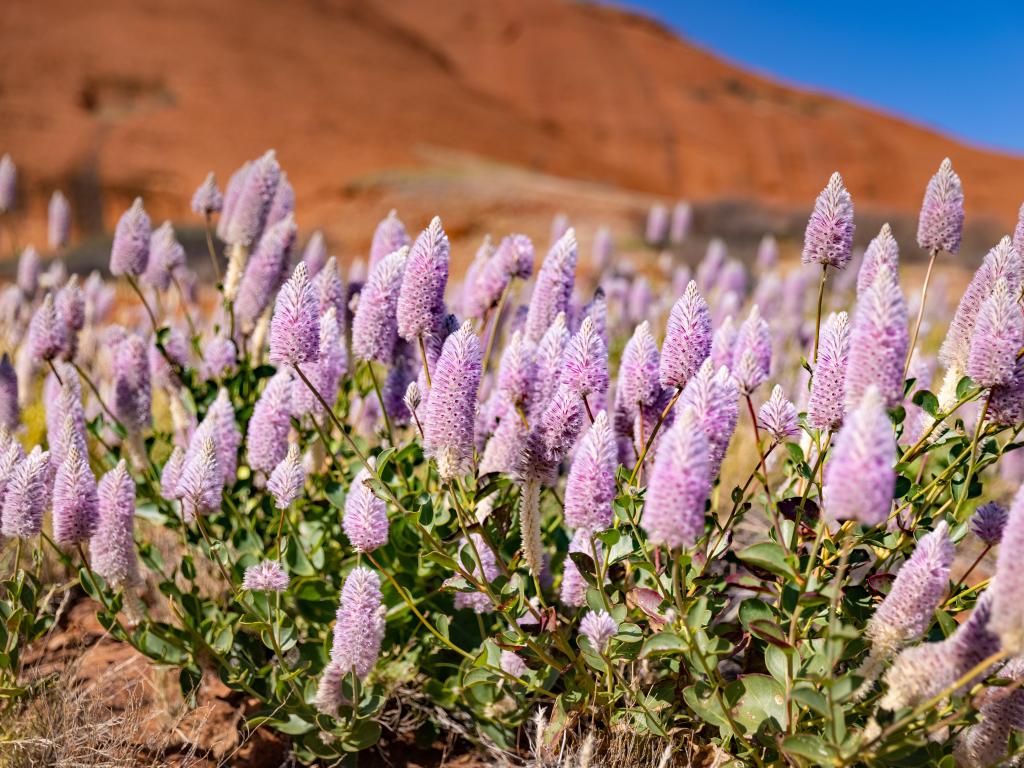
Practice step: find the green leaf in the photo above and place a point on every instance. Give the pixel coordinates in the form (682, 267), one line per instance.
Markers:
(662, 643)
(585, 565)
(810, 747)
(769, 556)
(928, 402)
(964, 386)
(762, 698)
(364, 734)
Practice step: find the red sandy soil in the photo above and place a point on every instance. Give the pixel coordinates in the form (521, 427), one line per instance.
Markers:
(113, 98)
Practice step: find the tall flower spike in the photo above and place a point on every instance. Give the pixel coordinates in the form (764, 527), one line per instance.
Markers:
(421, 299)
(517, 372)
(232, 193)
(359, 629)
(638, 370)
(714, 398)
(984, 743)
(599, 628)
(504, 449)
(486, 570)
(246, 218)
(227, 435)
(941, 223)
(752, 353)
(585, 365)
(451, 408)
(132, 401)
(860, 477)
(314, 255)
(267, 437)
(590, 489)
(283, 203)
(47, 334)
(767, 253)
(687, 338)
(1008, 585)
(878, 342)
(551, 438)
(829, 237)
(375, 324)
(997, 338)
(882, 251)
(574, 586)
(553, 288)
(777, 416)
(170, 477)
(8, 183)
(331, 292)
(28, 271)
(287, 479)
(166, 255)
(112, 547)
(265, 272)
(827, 402)
(10, 414)
(723, 343)
(75, 500)
(679, 486)
(989, 521)
(27, 496)
(267, 576)
(907, 611)
(365, 521)
(550, 353)
(295, 329)
(129, 253)
(201, 481)
(529, 525)
(390, 236)
(207, 199)
(58, 222)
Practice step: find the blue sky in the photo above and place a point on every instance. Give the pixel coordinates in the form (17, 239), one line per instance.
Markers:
(957, 67)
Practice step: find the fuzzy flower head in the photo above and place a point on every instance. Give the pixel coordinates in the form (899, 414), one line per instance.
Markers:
(47, 333)
(207, 198)
(451, 407)
(287, 479)
(129, 255)
(170, 476)
(390, 236)
(908, 609)
(878, 342)
(860, 477)
(267, 576)
(8, 183)
(421, 299)
(585, 364)
(638, 370)
(70, 303)
(553, 288)
(997, 338)
(27, 496)
(166, 255)
(599, 628)
(827, 402)
(314, 255)
(246, 217)
(553, 436)
(517, 371)
(687, 338)
(829, 237)
(267, 437)
(882, 251)
(201, 479)
(989, 521)
(1008, 586)
(112, 547)
(29, 269)
(58, 221)
(941, 223)
(752, 352)
(777, 416)
(132, 401)
(365, 521)
(550, 353)
(359, 628)
(375, 324)
(295, 328)
(265, 272)
(591, 488)
(714, 398)
(75, 499)
(10, 413)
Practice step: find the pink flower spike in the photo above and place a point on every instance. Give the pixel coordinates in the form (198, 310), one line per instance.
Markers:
(295, 329)
(829, 237)
(941, 223)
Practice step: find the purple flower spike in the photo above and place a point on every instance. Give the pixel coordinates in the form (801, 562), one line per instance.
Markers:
(359, 629)
(287, 479)
(998, 336)
(366, 517)
(170, 477)
(314, 255)
(226, 435)
(767, 253)
(58, 221)
(505, 447)
(883, 251)
(908, 609)
(723, 343)
(752, 353)
(129, 255)
(218, 358)
(295, 329)
(28, 271)
(283, 203)
(132, 401)
(27, 496)
(70, 303)
(1018, 231)
(232, 193)
(75, 500)
(207, 199)
(47, 335)
(390, 236)
(826, 407)
(682, 217)
(989, 521)
(451, 407)
(860, 477)
(10, 414)
(8, 183)
(602, 251)
(166, 255)
(599, 628)
(657, 225)
(552, 438)
(550, 353)
(267, 438)
(487, 571)
(554, 286)
(201, 480)
(590, 489)
(878, 342)
(638, 370)
(714, 398)
(112, 547)
(574, 586)
(710, 267)
(829, 237)
(517, 372)
(687, 338)
(1008, 586)
(421, 299)
(331, 292)
(777, 416)
(985, 742)
(265, 272)
(679, 486)
(585, 364)
(941, 223)
(245, 219)
(267, 576)
(375, 324)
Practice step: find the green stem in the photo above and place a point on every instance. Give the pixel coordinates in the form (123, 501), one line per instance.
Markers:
(821, 297)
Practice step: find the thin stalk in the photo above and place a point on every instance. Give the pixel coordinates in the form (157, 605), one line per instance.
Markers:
(586, 405)
(380, 399)
(764, 471)
(821, 297)
(968, 572)
(495, 326)
(423, 357)
(920, 311)
(54, 369)
(654, 433)
(330, 412)
(210, 248)
(973, 454)
(188, 315)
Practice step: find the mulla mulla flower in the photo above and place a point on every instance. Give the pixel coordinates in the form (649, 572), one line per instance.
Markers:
(29, 269)
(267, 437)
(10, 411)
(244, 220)
(166, 256)
(265, 272)
(170, 475)
(1001, 712)
(283, 202)
(590, 489)
(989, 521)
(687, 338)
(287, 479)
(226, 434)
(553, 287)
(375, 325)
(207, 199)
(58, 221)
(879, 339)
(827, 403)
(8, 183)
(723, 342)
(314, 255)
(201, 479)
(47, 333)
(295, 328)
(828, 239)
(941, 222)
(266, 576)
(421, 298)
(860, 477)
(359, 626)
(112, 547)
(330, 290)
(517, 372)
(777, 416)
(365, 521)
(390, 236)
(714, 398)
(585, 363)
(550, 353)
(599, 628)
(1008, 584)
(129, 254)
(133, 392)
(75, 499)
(638, 383)
(27, 495)
(451, 407)
(882, 251)
(752, 353)
(997, 338)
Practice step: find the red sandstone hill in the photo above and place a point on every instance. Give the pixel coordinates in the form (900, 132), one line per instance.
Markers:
(110, 98)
